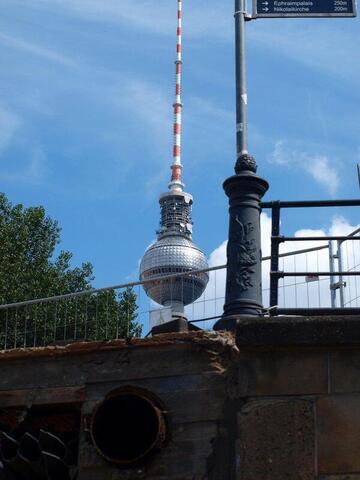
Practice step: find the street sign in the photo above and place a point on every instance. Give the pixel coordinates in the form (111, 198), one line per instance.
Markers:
(304, 8)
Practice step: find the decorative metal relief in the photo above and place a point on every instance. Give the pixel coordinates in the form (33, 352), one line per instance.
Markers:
(242, 254)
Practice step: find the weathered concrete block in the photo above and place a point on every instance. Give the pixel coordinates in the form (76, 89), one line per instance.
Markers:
(124, 364)
(338, 433)
(277, 373)
(160, 385)
(192, 431)
(339, 477)
(345, 371)
(187, 373)
(296, 331)
(173, 467)
(89, 458)
(42, 396)
(276, 440)
(205, 392)
(109, 473)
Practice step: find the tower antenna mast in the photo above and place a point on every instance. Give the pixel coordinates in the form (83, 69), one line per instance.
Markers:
(176, 167)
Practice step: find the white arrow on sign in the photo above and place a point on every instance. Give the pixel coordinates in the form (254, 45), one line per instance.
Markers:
(265, 3)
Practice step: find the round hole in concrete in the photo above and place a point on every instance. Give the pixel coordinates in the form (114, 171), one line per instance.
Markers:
(128, 426)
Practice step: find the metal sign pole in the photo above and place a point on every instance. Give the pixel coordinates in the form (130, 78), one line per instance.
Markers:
(245, 189)
(241, 89)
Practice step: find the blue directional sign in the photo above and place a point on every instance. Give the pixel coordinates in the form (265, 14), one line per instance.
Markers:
(304, 8)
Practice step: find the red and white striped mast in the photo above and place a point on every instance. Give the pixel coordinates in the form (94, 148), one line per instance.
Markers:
(176, 167)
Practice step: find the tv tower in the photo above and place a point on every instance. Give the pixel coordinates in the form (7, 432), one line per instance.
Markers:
(174, 251)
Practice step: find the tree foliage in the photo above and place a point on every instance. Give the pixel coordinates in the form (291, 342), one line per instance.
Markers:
(29, 270)
(27, 266)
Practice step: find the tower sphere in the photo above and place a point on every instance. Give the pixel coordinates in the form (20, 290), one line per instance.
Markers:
(169, 255)
(174, 252)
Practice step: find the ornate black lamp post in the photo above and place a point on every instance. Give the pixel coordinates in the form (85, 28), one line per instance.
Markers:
(245, 190)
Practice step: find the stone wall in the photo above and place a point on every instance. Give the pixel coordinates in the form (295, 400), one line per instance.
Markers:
(278, 400)
(187, 372)
(301, 381)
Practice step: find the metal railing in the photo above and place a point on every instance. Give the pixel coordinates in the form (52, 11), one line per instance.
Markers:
(118, 311)
(347, 255)
(335, 278)
(323, 278)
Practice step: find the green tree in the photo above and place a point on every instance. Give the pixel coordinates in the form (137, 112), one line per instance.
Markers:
(30, 270)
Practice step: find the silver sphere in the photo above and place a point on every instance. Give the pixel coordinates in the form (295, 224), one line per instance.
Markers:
(172, 254)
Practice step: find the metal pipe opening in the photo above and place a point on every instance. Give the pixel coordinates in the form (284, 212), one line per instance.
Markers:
(128, 426)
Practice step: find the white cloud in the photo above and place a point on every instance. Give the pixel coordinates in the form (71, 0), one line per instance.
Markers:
(315, 44)
(34, 170)
(37, 168)
(340, 226)
(323, 173)
(147, 101)
(127, 11)
(204, 107)
(218, 256)
(317, 166)
(36, 50)
(155, 16)
(9, 124)
(150, 108)
(154, 182)
(278, 155)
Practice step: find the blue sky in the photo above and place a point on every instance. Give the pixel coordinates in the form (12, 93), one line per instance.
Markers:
(86, 92)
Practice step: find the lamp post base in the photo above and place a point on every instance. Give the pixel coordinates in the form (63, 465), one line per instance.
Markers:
(243, 283)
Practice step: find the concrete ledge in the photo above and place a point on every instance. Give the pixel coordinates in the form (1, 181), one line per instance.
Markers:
(80, 347)
(298, 331)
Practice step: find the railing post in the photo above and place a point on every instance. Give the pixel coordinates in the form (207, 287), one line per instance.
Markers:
(332, 278)
(274, 264)
(341, 279)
